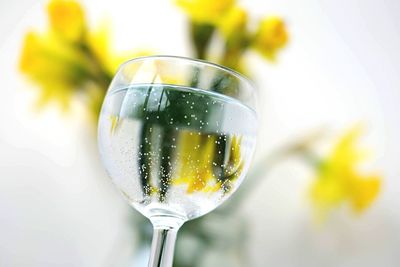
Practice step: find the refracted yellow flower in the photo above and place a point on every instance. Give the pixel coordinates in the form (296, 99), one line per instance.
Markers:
(114, 121)
(271, 36)
(67, 19)
(234, 165)
(205, 11)
(234, 20)
(195, 158)
(338, 180)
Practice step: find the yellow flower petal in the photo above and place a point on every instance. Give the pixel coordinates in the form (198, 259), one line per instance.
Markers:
(30, 49)
(53, 65)
(364, 192)
(271, 36)
(67, 19)
(346, 154)
(338, 180)
(205, 11)
(327, 192)
(235, 20)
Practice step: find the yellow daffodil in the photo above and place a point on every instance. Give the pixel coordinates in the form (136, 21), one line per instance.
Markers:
(205, 11)
(338, 181)
(67, 19)
(68, 60)
(234, 20)
(58, 68)
(271, 36)
(56, 62)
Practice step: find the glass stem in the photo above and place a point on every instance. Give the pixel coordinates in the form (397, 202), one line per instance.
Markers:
(163, 244)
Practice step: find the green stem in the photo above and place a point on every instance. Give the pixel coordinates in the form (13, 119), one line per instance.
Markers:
(234, 48)
(144, 158)
(100, 74)
(166, 154)
(144, 152)
(219, 157)
(201, 35)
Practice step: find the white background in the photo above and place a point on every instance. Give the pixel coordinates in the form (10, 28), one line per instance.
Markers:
(57, 207)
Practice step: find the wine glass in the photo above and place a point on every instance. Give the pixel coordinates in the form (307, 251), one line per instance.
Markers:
(176, 135)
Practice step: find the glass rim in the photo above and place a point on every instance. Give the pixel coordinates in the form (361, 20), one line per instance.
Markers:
(232, 72)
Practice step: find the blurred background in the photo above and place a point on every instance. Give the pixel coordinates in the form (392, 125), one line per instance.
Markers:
(339, 68)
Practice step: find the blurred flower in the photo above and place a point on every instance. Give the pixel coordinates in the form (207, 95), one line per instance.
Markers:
(231, 21)
(234, 21)
(205, 11)
(338, 181)
(56, 62)
(67, 19)
(271, 36)
(69, 60)
(55, 66)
